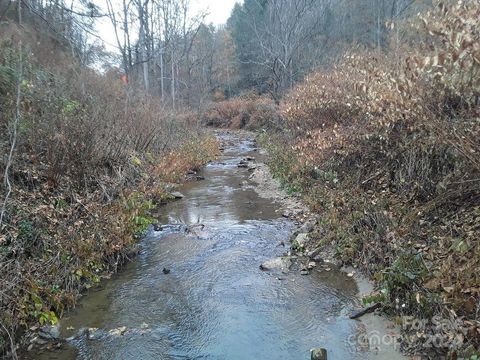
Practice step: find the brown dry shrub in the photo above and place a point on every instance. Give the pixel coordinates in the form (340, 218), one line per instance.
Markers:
(387, 148)
(433, 96)
(90, 125)
(248, 112)
(92, 158)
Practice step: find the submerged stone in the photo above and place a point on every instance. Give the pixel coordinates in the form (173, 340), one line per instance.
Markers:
(318, 354)
(93, 333)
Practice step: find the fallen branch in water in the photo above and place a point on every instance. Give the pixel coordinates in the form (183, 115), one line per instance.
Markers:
(367, 310)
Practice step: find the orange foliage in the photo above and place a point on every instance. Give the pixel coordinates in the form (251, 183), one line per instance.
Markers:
(249, 112)
(387, 147)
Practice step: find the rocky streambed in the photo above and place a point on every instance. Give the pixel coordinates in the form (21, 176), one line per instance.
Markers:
(218, 279)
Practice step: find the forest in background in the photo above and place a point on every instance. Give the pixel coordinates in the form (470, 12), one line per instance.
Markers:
(369, 109)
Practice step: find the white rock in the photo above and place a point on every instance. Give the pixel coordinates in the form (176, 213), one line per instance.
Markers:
(280, 263)
(177, 195)
(118, 331)
(300, 241)
(93, 333)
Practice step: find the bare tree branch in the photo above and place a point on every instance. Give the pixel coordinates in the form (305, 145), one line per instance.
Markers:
(13, 136)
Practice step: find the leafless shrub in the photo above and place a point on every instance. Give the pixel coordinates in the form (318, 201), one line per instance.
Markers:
(250, 112)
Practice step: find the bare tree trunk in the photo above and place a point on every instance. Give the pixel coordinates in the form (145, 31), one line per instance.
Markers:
(162, 75)
(228, 82)
(395, 14)
(19, 10)
(173, 80)
(126, 37)
(13, 137)
(143, 43)
(380, 17)
(378, 30)
(122, 47)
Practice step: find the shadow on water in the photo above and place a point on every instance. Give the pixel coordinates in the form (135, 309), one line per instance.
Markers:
(215, 303)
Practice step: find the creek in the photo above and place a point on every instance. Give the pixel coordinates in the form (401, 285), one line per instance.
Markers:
(214, 302)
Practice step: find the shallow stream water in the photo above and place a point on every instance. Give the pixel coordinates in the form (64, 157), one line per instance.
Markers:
(215, 303)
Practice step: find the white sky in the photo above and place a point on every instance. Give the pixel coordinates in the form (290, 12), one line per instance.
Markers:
(219, 10)
(218, 13)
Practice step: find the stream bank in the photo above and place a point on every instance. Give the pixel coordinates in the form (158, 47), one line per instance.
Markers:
(196, 289)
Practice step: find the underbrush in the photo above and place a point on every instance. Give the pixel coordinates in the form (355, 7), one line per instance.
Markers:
(250, 112)
(92, 158)
(386, 148)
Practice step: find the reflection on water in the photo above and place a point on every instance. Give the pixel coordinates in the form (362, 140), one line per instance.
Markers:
(215, 303)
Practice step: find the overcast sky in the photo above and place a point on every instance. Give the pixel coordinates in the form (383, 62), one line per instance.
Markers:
(218, 13)
(219, 9)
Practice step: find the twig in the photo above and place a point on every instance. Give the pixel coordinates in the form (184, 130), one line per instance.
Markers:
(12, 343)
(372, 177)
(464, 182)
(16, 119)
